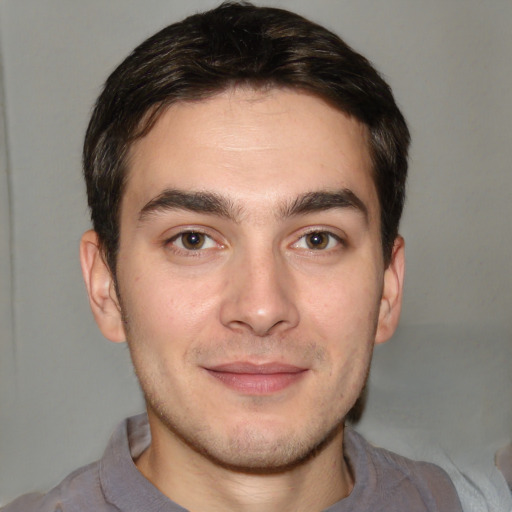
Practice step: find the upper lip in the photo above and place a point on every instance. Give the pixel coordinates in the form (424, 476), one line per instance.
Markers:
(256, 369)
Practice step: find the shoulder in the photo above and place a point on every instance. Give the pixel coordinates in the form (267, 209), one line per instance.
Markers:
(79, 491)
(98, 485)
(402, 483)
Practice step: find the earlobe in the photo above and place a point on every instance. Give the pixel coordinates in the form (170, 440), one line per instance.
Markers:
(101, 288)
(391, 301)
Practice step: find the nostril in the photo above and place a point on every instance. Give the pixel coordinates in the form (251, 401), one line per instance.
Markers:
(242, 315)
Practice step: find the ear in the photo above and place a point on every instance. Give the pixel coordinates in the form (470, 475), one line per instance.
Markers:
(101, 288)
(391, 301)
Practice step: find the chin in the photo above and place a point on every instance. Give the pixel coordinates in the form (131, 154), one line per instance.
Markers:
(255, 449)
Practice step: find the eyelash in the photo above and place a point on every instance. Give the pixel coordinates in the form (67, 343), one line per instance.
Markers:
(176, 242)
(333, 238)
(179, 237)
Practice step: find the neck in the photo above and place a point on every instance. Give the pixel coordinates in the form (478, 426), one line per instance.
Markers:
(196, 483)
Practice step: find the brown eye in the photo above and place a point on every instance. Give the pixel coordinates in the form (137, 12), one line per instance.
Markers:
(318, 240)
(192, 240)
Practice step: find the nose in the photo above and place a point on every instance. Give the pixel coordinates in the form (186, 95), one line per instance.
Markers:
(259, 298)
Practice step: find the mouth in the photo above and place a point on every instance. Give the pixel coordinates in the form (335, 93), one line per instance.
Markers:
(257, 379)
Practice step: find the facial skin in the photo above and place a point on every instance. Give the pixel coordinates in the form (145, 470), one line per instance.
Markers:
(252, 285)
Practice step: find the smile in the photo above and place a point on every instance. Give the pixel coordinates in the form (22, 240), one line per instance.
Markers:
(262, 379)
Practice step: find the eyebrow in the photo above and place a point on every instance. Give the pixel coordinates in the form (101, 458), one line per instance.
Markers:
(325, 200)
(200, 202)
(214, 204)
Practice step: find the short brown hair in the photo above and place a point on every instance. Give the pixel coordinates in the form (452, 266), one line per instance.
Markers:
(238, 44)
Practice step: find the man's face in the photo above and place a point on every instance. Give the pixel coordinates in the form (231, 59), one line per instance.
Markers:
(250, 273)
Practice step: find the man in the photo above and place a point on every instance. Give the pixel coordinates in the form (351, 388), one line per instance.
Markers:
(245, 172)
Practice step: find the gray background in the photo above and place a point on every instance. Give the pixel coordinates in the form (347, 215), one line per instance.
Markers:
(445, 377)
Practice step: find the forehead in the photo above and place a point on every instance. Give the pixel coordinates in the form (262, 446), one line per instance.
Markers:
(248, 144)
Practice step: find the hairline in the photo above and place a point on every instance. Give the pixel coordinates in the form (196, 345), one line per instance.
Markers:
(152, 115)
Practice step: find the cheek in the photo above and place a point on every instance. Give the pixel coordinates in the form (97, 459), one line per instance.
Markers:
(347, 303)
(163, 306)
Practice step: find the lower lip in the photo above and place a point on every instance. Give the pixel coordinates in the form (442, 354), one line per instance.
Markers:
(257, 383)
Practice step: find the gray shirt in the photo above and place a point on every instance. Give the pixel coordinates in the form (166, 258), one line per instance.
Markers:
(384, 481)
